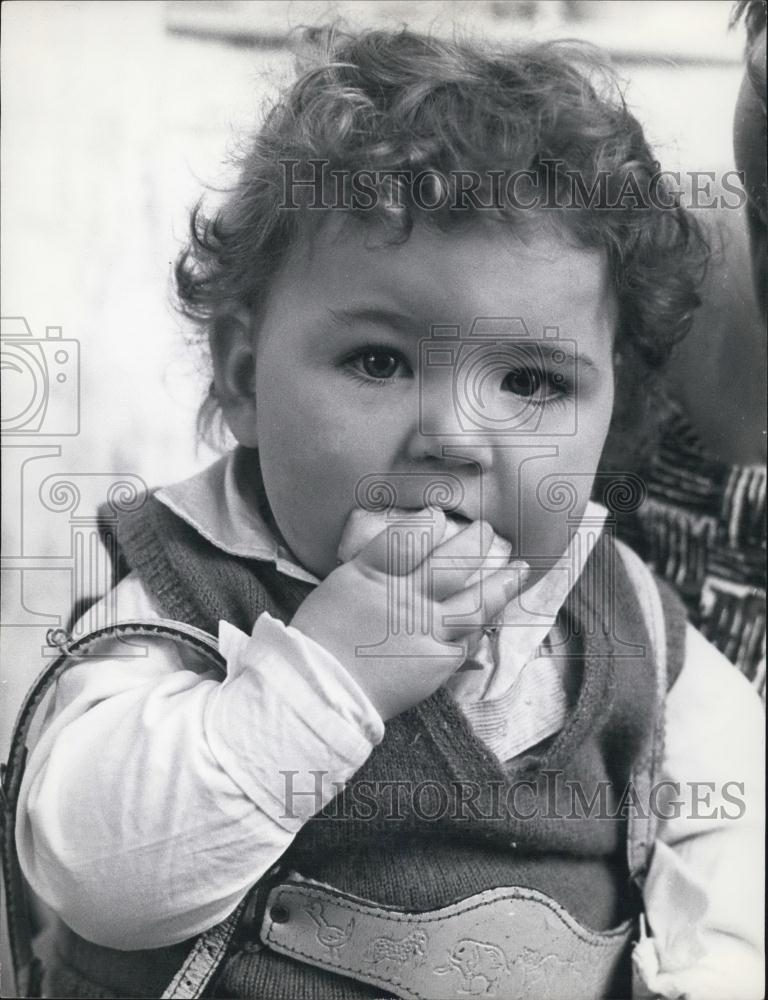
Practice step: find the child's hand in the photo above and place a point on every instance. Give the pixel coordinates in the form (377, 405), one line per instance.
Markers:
(354, 606)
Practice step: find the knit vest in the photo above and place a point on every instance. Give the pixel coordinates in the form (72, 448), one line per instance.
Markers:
(432, 816)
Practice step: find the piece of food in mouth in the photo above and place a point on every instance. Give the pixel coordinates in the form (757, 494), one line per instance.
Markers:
(364, 525)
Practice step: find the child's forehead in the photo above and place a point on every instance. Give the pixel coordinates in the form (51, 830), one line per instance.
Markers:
(482, 268)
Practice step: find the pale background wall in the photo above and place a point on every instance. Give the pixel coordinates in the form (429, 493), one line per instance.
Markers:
(114, 116)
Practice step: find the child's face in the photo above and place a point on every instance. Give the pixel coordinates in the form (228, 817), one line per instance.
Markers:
(343, 391)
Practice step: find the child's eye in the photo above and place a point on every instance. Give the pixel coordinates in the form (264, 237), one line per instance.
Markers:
(378, 364)
(523, 381)
(534, 384)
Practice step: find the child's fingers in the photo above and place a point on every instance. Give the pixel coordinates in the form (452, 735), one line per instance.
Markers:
(481, 604)
(361, 528)
(455, 560)
(401, 548)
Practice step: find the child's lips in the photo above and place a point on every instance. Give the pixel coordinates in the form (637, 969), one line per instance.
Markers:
(461, 519)
(403, 513)
(364, 525)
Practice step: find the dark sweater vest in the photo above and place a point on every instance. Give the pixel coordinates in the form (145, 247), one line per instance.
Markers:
(432, 816)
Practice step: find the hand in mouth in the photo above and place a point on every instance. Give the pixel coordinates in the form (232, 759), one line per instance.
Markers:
(364, 525)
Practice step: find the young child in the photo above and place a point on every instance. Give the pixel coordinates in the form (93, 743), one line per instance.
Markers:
(464, 745)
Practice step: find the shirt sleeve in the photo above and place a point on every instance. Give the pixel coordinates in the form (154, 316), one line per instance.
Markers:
(157, 795)
(704, 892)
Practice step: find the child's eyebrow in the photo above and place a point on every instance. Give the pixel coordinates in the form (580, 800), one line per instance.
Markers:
(576, 357)
(379, 316)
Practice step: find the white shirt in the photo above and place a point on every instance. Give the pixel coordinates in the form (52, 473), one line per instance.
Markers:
(201, 765)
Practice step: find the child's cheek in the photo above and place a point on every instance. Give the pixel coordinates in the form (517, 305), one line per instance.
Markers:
(553, 492)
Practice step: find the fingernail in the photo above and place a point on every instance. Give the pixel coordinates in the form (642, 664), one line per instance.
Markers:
(521, 566)
(513, 587)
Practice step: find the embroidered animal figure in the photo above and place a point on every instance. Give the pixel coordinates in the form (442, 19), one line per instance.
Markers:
(543, 973)
(331, 937)
(480, 965)
(413, 946)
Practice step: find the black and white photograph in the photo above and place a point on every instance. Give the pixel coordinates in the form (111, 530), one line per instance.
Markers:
(383, 499)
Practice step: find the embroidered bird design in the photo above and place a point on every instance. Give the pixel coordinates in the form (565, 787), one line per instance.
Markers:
(331, 937)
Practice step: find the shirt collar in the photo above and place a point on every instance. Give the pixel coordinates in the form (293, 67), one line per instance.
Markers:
(212, 504)
(528, 618)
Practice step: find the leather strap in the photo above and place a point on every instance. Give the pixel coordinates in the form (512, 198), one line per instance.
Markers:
(641, 825)
(506, 942)
(204, 959)
(27, 969)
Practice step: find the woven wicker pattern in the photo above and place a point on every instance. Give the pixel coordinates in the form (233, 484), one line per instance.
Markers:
(702, 529)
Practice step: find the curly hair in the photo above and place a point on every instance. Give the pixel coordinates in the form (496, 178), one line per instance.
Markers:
(400, 104)
(754, 13)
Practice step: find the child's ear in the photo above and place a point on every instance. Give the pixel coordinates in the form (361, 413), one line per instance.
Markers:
(233, 350)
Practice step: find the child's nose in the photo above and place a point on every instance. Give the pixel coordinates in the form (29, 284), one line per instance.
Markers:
(441, 434)
(439, 414)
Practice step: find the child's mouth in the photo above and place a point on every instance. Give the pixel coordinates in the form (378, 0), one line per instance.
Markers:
(461, 519)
